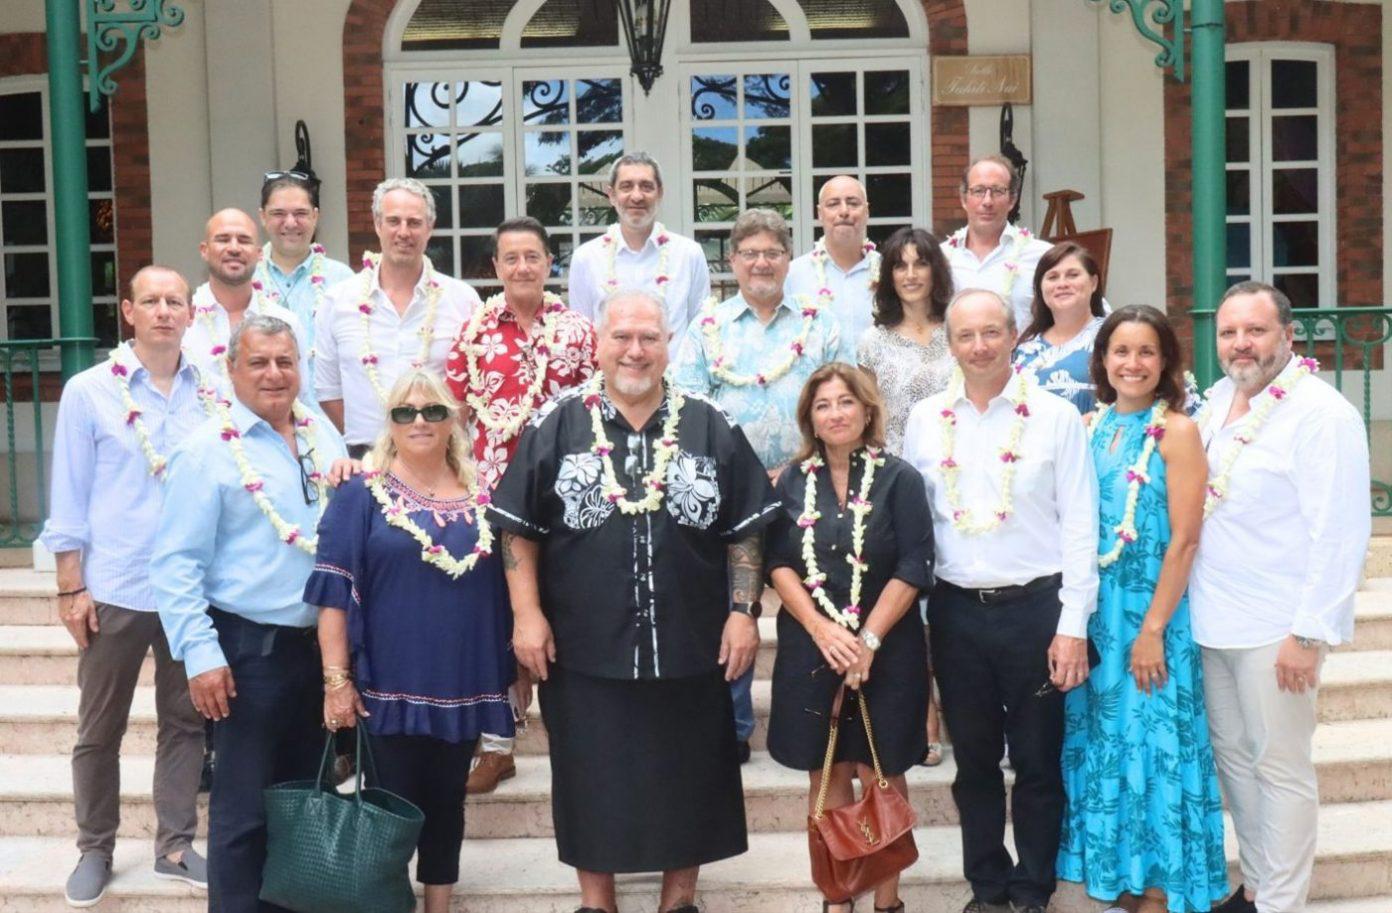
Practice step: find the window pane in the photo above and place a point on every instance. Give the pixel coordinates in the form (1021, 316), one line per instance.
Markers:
(1293, 84)
(887, 92)
(106, 323)
(21, 116)
(480, 205)
(1239, 193)
(713, 97)
(547, 152)
(440, 250)
(1294, 190)
(1239, 245)
(599, 101)
(1239, 146)
(101, 221)
(34, 322)
(1236, 82)
(594, 206)
(767, 95)
(1294, 139)
(751, 20)
(22, 170)
(832, 94)
(715, 200)
(1295, 244)
(480, 155)
(26, 276)
(1301, 288)
(427, 155)
(456, 25)
(714, 148)
(99, 168)
(854, 19)
(769, 147)
(103, 273)
(598, 150)
(834, 146)
(892, 193)
(562, 248)
(887, 144)
(427, 103)
(549, 203)
(770, 193)
(572, 23)
(479, 104)
(476, 258)
(880, 232)
(545, 102)
(24, 223)
(99, 121)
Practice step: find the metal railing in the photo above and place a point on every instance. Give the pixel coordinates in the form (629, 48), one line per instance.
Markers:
(19, 360)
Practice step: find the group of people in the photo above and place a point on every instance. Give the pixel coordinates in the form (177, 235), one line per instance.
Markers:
(331, 499)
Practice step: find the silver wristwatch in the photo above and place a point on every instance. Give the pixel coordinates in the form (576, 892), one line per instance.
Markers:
(1307, 643)
(870, 639)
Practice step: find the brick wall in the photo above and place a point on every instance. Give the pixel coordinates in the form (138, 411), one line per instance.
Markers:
(947, 34)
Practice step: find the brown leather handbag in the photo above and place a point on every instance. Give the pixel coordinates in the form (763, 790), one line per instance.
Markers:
(858, 846)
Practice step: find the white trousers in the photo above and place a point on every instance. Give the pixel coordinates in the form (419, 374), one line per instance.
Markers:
(1261, 739)
(495, 744)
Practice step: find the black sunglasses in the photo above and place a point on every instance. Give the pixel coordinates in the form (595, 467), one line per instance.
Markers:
(405, 415)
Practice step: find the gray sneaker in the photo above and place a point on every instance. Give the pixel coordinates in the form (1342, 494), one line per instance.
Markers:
(87, 883)
(191, 869)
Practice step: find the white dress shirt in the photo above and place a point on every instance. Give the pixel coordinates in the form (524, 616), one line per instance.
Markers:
(1053, 527)
(339, 337)
(211, 329)
(685, 292)
(1283, 550)
(852, 291)
(1008, 270)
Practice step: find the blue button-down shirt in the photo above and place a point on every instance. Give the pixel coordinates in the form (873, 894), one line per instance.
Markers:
(767, 414)
(299, 291)
(104, 501)
(215, 547)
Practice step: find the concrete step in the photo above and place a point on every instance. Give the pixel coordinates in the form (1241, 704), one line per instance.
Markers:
(46, 655)
(1379, 562)
(1373, 618)
(27, 597)
(1381, 904)
(1354, 760)
(41, 719)
(522, 875)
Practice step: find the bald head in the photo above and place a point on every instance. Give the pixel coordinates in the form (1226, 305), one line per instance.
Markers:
(844, 213)
(979, 300)
(231, 246)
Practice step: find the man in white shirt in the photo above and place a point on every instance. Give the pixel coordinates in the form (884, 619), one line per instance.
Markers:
(1286, 530)
(842, 268)
(638, 252)
(397, 313)
(989, 252)
(1014, 503)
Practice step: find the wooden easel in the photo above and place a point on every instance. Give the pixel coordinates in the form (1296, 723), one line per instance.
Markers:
(1098, 242)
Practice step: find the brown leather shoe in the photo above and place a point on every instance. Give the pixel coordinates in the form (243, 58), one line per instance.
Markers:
(492, 768)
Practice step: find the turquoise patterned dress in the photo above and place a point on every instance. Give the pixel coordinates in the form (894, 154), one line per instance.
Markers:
(1143, 803)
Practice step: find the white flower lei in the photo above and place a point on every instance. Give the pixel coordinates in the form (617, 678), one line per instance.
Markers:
(1012, 263)
(1271, 397)
(1136, 476)
(612, 238)
(370, 262)
(207, 397)
(262, 282)
(710, 329)
(664, 448)
(433, 553)
(859, 506)
(207, 314)
(819, 259)
(1009, 455)
(552, 306)
(288, 533)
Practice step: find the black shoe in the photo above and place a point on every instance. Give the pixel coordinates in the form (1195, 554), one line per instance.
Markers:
(981, 906)
(1237, 903)
(685, 908)
(743, 754)
(1029, 908)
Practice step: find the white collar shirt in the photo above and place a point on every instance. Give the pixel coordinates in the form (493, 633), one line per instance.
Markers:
(1008, 270)
(852, 291)
(205, 341)
(1053, 525)
(394, 339)
(1282, 552)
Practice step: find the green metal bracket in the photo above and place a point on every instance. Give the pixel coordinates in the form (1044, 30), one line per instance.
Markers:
(112, 30)
(1150, 18)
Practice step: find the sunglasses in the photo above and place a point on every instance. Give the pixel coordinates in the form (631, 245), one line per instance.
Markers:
(405, 415)
(279, 175)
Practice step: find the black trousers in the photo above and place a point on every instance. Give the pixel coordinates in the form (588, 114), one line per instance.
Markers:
(991, 663)
(272, 734)
(431, 774)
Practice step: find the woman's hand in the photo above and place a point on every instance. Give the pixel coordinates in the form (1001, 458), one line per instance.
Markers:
(342, 707)
(342, 470)
(840, 648)
(1148, 661)
(858, 673)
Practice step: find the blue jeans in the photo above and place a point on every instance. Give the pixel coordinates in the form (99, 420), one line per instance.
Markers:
(744, 705)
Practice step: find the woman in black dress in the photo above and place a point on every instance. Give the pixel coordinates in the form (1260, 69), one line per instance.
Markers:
(838, 625)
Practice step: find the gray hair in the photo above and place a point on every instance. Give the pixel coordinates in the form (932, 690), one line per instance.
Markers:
(264, 324)
(971, 292)
(994, 159)
(601, 313)
(756, 221)
(635, 158)
(1284, 311)
(410, 185)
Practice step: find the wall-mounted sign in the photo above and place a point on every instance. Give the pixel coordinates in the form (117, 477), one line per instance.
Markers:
(982, 80)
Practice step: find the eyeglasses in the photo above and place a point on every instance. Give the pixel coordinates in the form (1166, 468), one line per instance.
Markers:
(405, 415)
(981, 192)
(309, 476)
(773, 255)
(280, 175)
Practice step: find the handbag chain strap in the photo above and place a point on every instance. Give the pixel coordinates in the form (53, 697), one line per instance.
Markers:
(827, 762)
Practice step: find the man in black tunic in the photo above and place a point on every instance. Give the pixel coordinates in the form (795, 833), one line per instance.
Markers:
(632, 518)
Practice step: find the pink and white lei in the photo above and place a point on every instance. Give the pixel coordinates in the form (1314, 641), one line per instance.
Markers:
(859, 506)
(509, 422)
(287, 532)
(962, 519)
(664, 449)
(207, 397)
(431, 552)
(710, 329)
(611, 240)
(371, 264)
(1023, 236)
(206, 312)
(819, 259)
(1136, 476)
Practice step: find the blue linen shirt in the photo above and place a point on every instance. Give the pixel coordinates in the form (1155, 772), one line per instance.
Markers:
(104, 502)
(298, 292)
(852, 293)
(215, 547)
(766, 414)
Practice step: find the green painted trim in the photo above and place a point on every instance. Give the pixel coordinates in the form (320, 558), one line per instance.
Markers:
(121, 32)
(1209, 188)
(1153, 18)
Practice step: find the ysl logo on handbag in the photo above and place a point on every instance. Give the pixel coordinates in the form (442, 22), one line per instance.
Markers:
(870, 838)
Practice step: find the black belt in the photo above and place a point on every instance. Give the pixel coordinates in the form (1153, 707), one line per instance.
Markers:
(255, 638)
(1004, 593)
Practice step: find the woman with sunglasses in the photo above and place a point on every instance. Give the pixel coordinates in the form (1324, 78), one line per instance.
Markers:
(414, 623)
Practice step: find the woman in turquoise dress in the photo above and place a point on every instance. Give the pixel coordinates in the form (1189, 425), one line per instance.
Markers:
(1143, 826)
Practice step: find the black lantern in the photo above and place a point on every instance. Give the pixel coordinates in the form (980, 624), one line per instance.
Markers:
(645, 27)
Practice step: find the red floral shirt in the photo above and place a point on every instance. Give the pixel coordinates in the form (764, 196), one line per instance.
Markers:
(506, 360)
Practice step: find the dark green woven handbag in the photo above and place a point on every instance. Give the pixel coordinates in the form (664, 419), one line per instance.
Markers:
(333, 853)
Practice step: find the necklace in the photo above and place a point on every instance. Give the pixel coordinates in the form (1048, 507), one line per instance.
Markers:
(819, 259)
(1136, 476)
(207, 397)
(503, 424)
(859, 506)
(664, 448)
(1271, 397)
(613, 237)
(1012, 262)
(710, 329)
(431, 552)
(287, 532)
(371, 264)
(962, 518)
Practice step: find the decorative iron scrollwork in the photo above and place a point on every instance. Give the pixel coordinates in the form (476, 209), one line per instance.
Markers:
(120, 32)
(1150, 18)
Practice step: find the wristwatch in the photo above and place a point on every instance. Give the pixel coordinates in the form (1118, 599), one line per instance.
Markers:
(752, 609)
(870, 639)
(1307, 643)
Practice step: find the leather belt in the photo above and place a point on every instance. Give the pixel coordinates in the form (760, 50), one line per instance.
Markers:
(998, 594)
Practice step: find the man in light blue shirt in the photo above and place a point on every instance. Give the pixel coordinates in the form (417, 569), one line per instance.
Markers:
(843, 268)
(117, 423)
(752, 354)
(233, 551)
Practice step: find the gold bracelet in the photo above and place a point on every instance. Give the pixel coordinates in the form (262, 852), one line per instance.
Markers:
(337, 680)
(337, 686)
(337, 670)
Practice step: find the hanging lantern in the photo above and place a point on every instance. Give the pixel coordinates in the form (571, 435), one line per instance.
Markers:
(645, 27)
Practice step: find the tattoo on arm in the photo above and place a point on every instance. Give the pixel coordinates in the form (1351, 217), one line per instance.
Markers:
(747, 569)
(509, 556)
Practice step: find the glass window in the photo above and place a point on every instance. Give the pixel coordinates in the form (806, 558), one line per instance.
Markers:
(720, 21)
(454, 25)
(573, 23)
(854, 19)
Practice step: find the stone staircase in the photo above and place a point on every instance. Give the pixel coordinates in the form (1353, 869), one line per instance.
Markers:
(509, 863)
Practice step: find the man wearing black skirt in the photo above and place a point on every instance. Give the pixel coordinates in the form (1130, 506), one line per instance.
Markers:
(632, 518)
